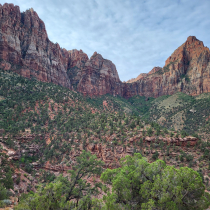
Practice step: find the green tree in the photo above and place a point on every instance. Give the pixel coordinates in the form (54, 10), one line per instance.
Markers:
(155, 155)
(3, 192)
(63, 192)
(149, 131)
(87, 165)
(141, 185)
(8, 181)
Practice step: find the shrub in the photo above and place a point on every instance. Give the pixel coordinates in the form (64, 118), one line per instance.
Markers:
(155, 155)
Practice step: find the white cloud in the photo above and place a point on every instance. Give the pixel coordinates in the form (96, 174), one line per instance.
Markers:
(136, 35)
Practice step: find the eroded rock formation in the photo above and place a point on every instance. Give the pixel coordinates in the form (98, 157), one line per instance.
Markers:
(186, 70)
(26, 49)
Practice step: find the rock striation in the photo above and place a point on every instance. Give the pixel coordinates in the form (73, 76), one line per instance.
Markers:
(26, 49)
(186, 70)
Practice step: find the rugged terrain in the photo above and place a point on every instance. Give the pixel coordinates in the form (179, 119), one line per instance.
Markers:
(26, 49)
(46, 126)
(49, 113)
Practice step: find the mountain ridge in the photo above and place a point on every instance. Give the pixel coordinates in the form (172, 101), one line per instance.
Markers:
(26, 49)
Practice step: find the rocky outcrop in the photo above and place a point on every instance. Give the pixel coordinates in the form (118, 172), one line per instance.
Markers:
(186, 70)
(187, 141)
(98, 77)
(111, 156)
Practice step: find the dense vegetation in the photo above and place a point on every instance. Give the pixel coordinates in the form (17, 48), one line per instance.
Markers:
(136, 185)
(179, 112)
(48, 124)
(141, 185)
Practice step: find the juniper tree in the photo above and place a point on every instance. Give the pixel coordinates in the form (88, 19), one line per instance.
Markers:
(141, 185)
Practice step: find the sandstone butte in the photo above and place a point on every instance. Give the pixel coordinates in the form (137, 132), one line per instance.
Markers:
(26, 49)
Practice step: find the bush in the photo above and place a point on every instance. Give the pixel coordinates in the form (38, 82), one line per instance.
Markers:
(17, 180)
(149, 132)
(3, 192)
(183, 133)
(2, 204)
(155, 155)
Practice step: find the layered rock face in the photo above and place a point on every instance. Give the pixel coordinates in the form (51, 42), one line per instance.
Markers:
(26, 49)
(96, 76)
(186, 70)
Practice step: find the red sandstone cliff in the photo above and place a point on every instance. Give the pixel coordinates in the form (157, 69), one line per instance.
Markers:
(26, 49)
(96, 76)
(186, 70)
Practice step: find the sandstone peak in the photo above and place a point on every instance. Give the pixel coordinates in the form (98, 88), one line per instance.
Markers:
(31, 9)
(8, 5)
(191, 39)
(95, 53)
(8, 8)
(27, 47)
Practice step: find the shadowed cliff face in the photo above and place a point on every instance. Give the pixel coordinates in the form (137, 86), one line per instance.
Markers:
(26, 49)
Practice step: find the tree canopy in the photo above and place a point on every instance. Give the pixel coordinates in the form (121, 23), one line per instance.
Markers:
(67, 192)
(142, 185)
(137, 184)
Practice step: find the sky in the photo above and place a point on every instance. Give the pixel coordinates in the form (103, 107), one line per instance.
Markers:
(136, 35)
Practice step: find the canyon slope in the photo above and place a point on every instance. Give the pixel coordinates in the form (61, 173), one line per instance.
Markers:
(26, 49)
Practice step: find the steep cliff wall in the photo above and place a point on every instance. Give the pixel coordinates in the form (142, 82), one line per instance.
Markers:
(186, 70)
(26, 49)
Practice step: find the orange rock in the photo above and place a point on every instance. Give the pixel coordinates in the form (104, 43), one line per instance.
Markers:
(186, 70)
